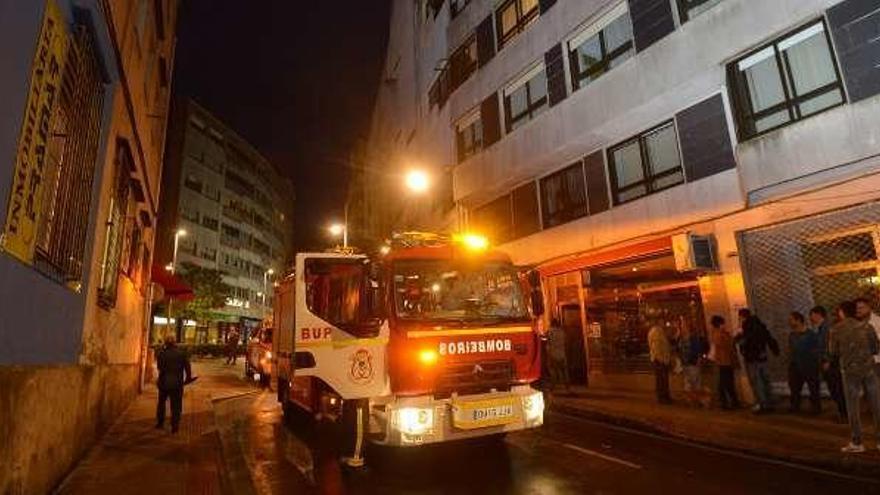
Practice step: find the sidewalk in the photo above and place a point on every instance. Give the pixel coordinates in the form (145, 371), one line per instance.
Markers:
(135, 458)
(802, 439)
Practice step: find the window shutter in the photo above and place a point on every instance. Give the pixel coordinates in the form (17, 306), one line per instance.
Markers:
(545, 5)
(651, 20)
(705, 139)
(490, 115)
(485, 41)
(555, 67)
(597, 184)
(855, 26)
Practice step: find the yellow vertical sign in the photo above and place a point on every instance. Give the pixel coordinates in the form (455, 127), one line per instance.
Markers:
(24, 210)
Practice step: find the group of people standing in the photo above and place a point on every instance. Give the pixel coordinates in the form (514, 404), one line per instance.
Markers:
(845, 353)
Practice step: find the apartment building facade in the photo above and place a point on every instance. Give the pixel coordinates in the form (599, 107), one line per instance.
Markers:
(236, 211)
(85, 87)
(659, 161)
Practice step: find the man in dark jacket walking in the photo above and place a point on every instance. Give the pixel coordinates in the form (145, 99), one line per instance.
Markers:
(174, 372)
(754, 342)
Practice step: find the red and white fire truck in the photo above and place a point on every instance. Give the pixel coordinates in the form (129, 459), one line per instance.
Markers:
(434, 340)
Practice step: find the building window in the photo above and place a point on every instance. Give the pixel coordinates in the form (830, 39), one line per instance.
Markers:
(193, 182)
(210, 223)
(495, 219)
(688, 9)
(513, 17)
(788, 80)
(456, 6)
(563, 196)
(525, 98)
(463, 62)
(469, 136)
(645, 164)
(525, 210)
(115, 227)
(601, 47)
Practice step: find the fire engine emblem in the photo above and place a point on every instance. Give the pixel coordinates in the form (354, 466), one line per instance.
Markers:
(361, 367)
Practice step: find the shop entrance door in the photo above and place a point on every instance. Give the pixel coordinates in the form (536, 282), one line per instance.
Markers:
(570, 315)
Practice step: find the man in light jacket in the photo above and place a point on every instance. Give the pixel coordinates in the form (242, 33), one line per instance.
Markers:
(661, 359)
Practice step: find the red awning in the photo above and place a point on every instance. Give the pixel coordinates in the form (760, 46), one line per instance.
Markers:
(174, 286)
(586, 260)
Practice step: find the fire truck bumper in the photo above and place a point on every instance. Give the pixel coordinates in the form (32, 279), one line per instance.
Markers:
(420, 420)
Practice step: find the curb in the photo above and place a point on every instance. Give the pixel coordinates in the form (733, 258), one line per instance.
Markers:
(858, 469)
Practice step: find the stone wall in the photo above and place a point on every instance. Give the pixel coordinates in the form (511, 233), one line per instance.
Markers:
(51, 415)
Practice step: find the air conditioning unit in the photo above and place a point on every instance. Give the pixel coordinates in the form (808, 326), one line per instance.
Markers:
(694, 253)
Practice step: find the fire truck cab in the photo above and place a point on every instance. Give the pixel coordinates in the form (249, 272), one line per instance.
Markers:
(434, 341)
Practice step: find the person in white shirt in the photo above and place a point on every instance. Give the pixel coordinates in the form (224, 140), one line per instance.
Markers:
(865, 313)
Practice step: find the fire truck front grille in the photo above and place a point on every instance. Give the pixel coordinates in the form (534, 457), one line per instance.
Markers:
(474, 378)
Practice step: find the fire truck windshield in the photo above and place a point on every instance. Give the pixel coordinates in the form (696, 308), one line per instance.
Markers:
(440, 291)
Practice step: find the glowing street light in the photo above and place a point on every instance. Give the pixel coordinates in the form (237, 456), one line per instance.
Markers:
(177, 235)
(418, 181)
(339, 229)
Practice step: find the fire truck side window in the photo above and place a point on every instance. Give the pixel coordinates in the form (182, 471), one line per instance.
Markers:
(336, 293)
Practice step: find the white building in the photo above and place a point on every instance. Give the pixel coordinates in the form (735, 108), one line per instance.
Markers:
(236, 211)
(585, 137)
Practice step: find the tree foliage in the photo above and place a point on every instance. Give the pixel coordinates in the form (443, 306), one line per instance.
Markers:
(210, 292)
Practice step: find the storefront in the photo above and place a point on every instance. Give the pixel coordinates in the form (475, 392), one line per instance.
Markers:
(818, 260)
(608, 302)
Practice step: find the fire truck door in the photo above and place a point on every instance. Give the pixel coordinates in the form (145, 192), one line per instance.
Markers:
(337, 338)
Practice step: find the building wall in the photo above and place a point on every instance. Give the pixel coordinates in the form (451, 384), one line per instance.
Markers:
(69, 365)
(824, 162)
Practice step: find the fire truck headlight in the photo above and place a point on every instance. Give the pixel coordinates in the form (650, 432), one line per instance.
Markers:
(415, 420)
(533, 407)
(428, 356)
(268, 354)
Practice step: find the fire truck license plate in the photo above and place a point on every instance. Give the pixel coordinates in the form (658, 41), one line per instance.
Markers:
(480, 414)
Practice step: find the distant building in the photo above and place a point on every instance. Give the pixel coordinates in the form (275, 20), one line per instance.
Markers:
(85, 87)
(658, 161)
(236, 210)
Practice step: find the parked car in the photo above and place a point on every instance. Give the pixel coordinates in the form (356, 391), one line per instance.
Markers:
(258, 358)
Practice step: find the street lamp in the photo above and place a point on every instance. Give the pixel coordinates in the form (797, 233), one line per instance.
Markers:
(418, 181)
(172, 267)
(339, 229)
(266, 275)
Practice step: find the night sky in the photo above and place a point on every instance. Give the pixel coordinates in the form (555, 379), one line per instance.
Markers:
(297, 79)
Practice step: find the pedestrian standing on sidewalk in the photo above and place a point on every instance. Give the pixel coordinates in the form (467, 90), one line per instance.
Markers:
(856, 344)
(723, 354)
(803, 363)
(174, 372)
(830, 366)
(232, 347)
(866, 313)
(558, 362)
(754, 342)
(692, 347)
(661, 359)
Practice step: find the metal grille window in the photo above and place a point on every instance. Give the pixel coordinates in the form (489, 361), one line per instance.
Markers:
(645, 164)
(73, 150)
(525, 98)
(688, 9)
(602, 46)
(821, 260)
(563, 196)
(788, 80)
(115, 227)
(513, 17)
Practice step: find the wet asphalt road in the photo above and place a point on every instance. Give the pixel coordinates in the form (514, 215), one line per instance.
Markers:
(264, 455)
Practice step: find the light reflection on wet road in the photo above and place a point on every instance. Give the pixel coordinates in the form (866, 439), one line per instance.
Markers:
(567, 456)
